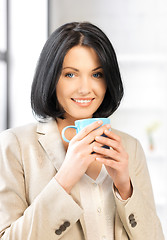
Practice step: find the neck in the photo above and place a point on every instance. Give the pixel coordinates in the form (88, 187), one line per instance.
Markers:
(65, 122)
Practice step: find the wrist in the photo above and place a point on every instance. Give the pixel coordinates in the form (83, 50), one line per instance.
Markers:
(63, 181)
(125, 191)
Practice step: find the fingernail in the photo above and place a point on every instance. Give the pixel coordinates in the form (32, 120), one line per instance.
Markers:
(100, 122)
(95, 148)
(97, 137)
(108, 126)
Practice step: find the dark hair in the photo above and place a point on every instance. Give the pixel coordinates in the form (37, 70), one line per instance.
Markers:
(43, 94)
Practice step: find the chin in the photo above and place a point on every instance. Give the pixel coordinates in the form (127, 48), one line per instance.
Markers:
(82, 117)
(77, 115)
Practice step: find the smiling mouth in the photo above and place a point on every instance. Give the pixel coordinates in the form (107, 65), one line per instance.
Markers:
(83, 101)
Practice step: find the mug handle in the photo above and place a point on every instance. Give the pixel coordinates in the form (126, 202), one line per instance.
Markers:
(63, 132)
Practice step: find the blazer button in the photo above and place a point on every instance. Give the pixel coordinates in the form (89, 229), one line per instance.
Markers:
(66, 224)
(131, 216)
(58, 232)
(132, 220)
(62, 228)
(133, 224)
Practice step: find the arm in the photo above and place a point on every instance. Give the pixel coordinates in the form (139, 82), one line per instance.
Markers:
(141, 204)
(137, 212)
(41, 217)
(49, 210)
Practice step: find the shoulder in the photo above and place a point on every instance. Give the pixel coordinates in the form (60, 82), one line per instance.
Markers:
(28, 133)
(125, 137)
(130, 143)
(19, 131)
(19, 134)
(16, 140)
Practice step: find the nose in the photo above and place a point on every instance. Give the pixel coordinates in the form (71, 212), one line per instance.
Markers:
(84, 87)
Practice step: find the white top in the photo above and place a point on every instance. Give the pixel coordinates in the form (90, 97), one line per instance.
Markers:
(99, 197)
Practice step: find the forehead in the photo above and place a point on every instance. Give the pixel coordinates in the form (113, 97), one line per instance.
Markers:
(81, 55)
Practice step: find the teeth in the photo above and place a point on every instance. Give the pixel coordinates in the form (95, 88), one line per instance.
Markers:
(82, 101)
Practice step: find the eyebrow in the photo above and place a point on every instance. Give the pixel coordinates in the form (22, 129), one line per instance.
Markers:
(75, 69)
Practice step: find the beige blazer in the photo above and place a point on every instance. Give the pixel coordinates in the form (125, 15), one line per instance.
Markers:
(33, 206)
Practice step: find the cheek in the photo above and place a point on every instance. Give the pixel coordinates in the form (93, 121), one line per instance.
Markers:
(104, 87)
(60, 93)
(101, 88)
(61, 89)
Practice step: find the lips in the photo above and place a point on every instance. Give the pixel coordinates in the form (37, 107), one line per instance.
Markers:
(83, 101)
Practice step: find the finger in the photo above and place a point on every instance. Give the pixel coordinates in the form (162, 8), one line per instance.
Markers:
(108, 162)
(92, 145)
(97, 132)
(112, 135)
(105, 140)
(95, 144)
(107, 152)
(85, 131)
(92, 157)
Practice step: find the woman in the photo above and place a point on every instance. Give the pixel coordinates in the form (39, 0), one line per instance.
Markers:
(52, 190)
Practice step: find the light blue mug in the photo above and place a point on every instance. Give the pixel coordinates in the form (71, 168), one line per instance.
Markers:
(80, 124)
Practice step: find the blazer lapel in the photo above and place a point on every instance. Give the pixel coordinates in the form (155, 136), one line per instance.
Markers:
(50, 140)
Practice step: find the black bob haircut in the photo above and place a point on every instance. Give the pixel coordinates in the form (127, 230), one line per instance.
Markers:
(44, 101)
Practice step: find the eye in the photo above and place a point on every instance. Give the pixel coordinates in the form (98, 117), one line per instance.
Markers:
(98, 75)
(69, 75)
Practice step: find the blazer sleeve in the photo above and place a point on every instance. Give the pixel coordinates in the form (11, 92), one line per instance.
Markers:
(138, 213)
(52, 213)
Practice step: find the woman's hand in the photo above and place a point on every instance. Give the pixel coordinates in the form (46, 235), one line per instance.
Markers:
(115, 160)
(79, 155)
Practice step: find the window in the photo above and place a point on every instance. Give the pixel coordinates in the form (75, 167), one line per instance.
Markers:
(3, 64)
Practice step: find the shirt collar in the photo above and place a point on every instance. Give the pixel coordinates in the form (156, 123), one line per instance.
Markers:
(100, 178)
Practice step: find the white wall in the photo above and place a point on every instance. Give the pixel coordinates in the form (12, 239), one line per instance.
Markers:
(28, 25)
(3, 47)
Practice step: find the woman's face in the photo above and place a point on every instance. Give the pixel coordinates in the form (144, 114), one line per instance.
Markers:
(81, 87)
